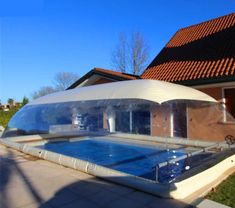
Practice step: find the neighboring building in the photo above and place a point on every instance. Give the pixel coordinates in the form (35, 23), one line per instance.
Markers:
(201, 56)
(4, 107)
(7, 107)
(100, 76)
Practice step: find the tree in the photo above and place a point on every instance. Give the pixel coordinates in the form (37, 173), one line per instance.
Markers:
(63, 80)
(43, 91)
(25, 101)
(130, 56)
(139, 53)
(119, 56)
(10, 101)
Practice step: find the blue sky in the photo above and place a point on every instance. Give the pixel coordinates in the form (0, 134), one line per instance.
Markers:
(39, 38)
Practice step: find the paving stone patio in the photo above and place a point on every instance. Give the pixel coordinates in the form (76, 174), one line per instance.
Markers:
(29, 182)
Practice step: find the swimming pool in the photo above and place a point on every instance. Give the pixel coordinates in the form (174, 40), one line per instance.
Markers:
(129, 158)
(140, 162)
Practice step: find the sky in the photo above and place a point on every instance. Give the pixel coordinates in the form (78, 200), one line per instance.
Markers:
(40, 38)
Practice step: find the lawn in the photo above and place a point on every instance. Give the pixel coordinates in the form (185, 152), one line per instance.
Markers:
(224, 193)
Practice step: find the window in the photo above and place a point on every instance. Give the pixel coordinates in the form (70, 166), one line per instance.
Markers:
(123, 121)
(229, 97)
(137, 122)
(141, 122)
(179, 120)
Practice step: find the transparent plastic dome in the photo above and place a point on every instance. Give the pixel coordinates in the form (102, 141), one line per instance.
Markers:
(144, 107)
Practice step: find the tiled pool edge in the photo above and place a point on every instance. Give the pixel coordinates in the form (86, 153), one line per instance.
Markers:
(179, 190)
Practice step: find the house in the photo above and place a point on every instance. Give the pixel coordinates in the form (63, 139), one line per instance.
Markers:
(7, 107)
(201, 56)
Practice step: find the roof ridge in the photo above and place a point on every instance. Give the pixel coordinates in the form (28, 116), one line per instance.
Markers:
(98, 68)
(113, 71)
(201, 23)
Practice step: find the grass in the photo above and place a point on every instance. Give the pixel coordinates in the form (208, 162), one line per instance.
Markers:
(224, 193)
(5, 116)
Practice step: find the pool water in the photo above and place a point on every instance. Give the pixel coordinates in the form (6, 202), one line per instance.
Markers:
(125, 157)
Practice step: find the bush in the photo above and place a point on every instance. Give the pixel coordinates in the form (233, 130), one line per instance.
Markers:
(5, 116)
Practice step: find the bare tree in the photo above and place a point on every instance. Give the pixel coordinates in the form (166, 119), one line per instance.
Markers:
(119, 55)
(138, 52)
(43, 91)
(63, 80)
(130, 56)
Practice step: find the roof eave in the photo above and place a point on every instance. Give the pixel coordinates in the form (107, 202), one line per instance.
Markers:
(204, 81)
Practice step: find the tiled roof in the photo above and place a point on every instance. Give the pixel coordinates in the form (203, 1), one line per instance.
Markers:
(197, 54)
(105, 73)
(115, 73)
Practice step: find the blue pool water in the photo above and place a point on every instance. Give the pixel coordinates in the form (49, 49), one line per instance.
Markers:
(129, 158)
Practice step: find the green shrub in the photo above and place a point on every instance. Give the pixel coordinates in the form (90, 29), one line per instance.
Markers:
(5, 116)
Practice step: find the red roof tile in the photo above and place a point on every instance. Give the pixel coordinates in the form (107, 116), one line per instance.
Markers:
(199, 52)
